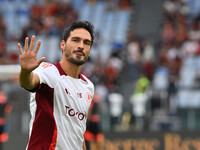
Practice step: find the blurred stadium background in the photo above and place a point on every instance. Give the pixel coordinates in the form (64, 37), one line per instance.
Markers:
(145, 64)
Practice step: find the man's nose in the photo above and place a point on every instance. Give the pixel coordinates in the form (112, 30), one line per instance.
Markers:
(81, 45)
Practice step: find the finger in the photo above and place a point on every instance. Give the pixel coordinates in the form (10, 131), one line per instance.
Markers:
(37, 46)
(26, 44)
(32, 43)
(41, 60)
(20, 49)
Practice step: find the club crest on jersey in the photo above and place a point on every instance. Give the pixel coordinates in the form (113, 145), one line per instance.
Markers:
(88, 97)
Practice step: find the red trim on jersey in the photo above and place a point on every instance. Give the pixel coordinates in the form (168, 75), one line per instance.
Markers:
(44, 132)
(81, 76)
(62, 72)
(54, 140)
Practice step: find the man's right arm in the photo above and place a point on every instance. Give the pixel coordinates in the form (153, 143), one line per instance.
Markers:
(28, 62)
(28, 80)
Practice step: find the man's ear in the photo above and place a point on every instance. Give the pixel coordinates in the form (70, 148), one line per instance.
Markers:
(62, 45)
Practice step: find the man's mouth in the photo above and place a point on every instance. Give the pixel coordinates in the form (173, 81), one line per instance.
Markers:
(79, 52)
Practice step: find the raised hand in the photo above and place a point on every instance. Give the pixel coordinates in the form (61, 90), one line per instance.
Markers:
(28, 58)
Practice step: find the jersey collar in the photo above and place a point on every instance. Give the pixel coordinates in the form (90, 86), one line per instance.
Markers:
(62, 72)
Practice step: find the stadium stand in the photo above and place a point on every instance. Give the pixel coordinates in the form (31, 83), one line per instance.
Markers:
(131, 41)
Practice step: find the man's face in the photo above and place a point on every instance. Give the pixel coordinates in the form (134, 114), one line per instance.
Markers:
(77, 47)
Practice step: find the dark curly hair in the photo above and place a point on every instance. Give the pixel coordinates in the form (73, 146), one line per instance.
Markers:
(79, 24)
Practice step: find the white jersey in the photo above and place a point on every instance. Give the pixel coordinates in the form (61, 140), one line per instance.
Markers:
(59, 108)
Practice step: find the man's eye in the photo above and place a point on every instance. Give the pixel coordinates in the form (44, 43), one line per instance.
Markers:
(87, 43)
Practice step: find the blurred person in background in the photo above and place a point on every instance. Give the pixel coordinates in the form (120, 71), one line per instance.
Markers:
(138, 100)
(116, 101)
(5, 110)
(93, 136)
(60, 95)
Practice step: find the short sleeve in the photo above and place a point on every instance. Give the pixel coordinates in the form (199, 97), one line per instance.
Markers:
(47, 73)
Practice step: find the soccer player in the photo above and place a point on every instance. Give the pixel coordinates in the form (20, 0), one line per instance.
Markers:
(94, 137)
(60, 95)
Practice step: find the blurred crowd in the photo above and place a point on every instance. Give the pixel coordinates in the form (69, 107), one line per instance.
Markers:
(154, 71)
(44, 18)
(171, 66)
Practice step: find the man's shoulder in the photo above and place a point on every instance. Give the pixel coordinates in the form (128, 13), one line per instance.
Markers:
(45, 65)
(83, 77)
(46, 68)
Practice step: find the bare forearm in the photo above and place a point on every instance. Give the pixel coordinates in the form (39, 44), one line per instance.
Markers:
(28, 80)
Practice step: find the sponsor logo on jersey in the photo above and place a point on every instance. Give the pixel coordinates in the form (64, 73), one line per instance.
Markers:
(73, 113)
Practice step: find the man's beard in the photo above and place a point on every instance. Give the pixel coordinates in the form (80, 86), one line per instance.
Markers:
(77, 60)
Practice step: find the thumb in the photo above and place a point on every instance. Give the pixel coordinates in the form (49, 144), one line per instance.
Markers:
(41, 60)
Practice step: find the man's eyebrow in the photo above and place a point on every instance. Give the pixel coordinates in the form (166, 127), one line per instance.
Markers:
(76, 37)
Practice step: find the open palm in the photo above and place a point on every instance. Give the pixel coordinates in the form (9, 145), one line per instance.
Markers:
(28, 58)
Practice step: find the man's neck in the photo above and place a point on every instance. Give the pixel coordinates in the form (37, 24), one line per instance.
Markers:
(70, 69)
